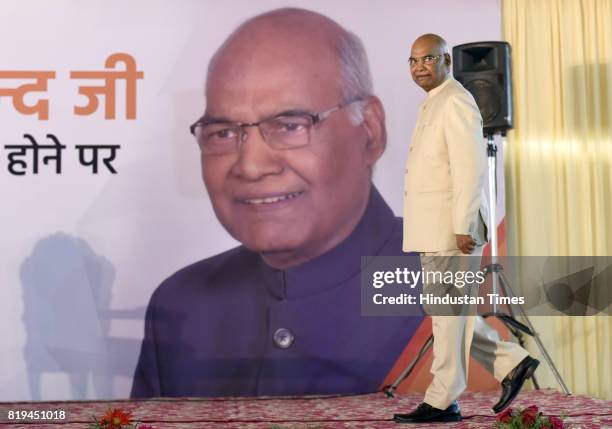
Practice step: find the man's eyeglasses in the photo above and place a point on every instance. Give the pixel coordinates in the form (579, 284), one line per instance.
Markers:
(289, 130)
(427, 59)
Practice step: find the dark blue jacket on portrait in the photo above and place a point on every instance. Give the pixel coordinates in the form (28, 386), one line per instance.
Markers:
(231, 325)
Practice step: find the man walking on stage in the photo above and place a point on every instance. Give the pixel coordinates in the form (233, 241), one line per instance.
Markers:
(444, 218)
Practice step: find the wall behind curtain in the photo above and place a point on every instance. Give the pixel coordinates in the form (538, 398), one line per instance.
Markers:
(559, 163)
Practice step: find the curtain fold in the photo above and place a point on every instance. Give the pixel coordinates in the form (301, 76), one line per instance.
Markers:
(558, 165)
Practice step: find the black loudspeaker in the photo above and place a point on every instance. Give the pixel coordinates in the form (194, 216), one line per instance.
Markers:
(484, 69)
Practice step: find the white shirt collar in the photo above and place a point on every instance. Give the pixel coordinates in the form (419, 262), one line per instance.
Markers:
(438, 88)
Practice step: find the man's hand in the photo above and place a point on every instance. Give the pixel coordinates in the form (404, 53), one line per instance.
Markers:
(465, 243)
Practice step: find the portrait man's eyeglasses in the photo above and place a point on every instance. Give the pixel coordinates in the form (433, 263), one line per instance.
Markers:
(427, 59)
(288, 130)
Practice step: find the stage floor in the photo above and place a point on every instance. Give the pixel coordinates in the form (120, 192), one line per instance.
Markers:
(362, 411)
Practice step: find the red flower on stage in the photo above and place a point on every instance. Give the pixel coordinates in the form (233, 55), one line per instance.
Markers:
(555, 422)
(116, 418)
(529, 415)
(505, 416)
(529, 418)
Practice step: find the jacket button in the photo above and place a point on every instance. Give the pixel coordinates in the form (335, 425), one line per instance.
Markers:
(283, 338)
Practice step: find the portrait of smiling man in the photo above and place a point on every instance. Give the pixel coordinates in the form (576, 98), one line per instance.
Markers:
(288, 143)
(271, 189)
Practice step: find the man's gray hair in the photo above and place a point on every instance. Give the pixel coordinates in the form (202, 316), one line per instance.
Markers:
(355, 79)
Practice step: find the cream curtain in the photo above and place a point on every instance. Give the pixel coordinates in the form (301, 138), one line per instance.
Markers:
(558, 163)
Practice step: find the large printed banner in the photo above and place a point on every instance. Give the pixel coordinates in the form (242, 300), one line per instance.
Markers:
(100, 178)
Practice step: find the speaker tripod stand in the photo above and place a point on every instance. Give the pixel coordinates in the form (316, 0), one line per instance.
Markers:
(495, 271)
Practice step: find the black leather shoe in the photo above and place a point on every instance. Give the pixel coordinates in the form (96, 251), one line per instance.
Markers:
(425, 413)
(512, 384)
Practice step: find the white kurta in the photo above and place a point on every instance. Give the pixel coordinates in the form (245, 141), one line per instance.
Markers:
(445, 171)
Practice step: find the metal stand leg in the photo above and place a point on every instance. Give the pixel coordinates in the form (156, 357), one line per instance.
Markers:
(390, 390)
(510, 292)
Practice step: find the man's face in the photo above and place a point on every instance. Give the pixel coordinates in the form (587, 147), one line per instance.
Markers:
(428, 76)
(289, 205)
